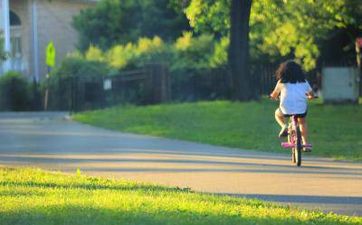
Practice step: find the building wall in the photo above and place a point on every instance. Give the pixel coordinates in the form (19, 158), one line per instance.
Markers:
(20, 7)
(54, 21)
(54, 24)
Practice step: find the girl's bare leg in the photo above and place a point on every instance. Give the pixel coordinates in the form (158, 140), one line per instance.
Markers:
(303, 129)
(279, 118)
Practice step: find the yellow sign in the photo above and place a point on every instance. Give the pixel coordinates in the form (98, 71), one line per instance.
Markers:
(50, 55)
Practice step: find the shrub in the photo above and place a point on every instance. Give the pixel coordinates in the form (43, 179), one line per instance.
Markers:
(119, 56)
(187, 53)
(94, 54)
(80, 68)
(3, 54)
(15, 94)
(145, 51)
(113, 22)
(193, 52)
(196, 66)
(76, 84)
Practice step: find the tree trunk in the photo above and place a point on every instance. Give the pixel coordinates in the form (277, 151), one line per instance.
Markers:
(238, 56)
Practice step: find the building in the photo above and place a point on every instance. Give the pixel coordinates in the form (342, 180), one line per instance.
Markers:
(27, 26)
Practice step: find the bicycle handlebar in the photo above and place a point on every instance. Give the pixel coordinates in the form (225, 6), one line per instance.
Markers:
(314, 97)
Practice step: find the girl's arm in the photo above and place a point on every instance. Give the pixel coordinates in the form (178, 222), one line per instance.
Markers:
(276, 92)
(309, 93)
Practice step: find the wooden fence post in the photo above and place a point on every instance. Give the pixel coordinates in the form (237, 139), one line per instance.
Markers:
(160, 82)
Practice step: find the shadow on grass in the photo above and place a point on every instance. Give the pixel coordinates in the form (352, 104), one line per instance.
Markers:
(91, 186)
(80, 215)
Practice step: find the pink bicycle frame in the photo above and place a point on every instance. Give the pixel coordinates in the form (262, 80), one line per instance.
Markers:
(291, 138)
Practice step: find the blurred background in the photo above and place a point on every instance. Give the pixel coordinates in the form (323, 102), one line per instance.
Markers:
(88, 54)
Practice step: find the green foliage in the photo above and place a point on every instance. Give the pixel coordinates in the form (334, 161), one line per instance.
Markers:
(193, 52)
(114, 22)
(209, 16)
(15, 93)
(220, 55)
(119, 56)
(80, 68)
(279, 28)
(94, 54)
(186, 53)
(71, 76)
(130, 55)
(242, 125)
(192, 61)
(33, 196)
(150, 50)
(3, 54)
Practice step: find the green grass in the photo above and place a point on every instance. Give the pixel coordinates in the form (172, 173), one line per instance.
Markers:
(334, 130)
(31, 196)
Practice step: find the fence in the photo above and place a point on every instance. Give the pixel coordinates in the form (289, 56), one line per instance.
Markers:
(264, 78)
(155, 84)
(200, 84)
(144, 86)
(150, 85)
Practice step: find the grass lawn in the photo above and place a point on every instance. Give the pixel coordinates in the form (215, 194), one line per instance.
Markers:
(36, 197)
(335, 130)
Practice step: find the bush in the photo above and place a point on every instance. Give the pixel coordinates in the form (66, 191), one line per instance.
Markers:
(113, 22)
(76, 84)
(187, 53)
(197, 64)
(3, 54)
(193, 52)
(15, 94)
(145, 51)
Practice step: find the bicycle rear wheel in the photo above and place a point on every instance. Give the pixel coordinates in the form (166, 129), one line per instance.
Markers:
(292, 139)
(298, 148)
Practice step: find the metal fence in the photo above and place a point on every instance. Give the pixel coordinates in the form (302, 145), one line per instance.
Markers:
(155, 84)
(143, 86)
(150, 85)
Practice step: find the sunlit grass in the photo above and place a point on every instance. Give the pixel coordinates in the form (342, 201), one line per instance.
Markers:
(36, 197)
(335, 130)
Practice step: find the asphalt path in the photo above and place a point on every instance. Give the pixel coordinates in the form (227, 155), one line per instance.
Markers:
(52, 141)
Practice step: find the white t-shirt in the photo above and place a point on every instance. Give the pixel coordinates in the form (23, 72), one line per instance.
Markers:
(293, 98)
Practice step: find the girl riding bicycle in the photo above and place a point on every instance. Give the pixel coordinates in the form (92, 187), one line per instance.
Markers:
(294, 90)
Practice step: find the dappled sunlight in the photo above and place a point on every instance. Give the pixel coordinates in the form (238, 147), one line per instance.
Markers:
(69, 147)
(63, 199)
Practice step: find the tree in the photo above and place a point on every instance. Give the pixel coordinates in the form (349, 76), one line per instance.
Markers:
(238, 56)
(279, 30)
(210, 16)
(113, 22)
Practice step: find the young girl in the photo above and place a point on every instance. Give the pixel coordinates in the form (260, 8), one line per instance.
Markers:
(294, 90)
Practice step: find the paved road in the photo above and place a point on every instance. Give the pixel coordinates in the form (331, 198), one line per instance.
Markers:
(50, 141)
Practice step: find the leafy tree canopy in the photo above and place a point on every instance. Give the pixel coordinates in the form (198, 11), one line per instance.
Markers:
(121, 21)
(280, 28)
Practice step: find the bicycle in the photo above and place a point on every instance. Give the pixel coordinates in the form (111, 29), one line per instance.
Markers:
(295, 141)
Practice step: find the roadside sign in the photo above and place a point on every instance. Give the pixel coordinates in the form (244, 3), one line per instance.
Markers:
(50, 54)
(107, 84)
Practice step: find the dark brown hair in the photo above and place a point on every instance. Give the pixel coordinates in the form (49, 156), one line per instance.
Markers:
(290, 72)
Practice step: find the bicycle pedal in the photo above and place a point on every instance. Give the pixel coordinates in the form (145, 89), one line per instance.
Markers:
(307, 150)
(287, 145)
